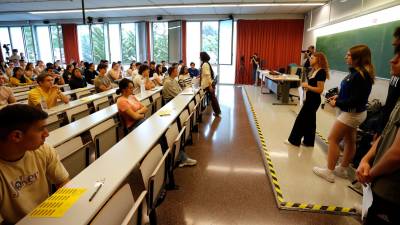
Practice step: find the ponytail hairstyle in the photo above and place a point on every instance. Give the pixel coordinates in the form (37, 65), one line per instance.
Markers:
(123, 84)
(362, 61)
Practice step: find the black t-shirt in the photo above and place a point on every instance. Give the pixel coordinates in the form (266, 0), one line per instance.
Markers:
(320, 76)
(90, 75)
(164, 69)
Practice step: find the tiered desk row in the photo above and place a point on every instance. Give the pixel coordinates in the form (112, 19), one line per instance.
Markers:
(149, 152)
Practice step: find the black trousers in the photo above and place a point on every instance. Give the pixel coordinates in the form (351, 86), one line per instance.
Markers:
(383, 212)
(305, 124)
(214, 100)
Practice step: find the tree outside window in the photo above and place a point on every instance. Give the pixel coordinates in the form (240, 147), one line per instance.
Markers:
(98, 42)
(29, 45)
(128, 32)
(210, 40)
(160, 41)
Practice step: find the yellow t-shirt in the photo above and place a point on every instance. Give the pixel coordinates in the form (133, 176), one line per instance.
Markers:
(35, 96)
(24, 184)
(15, 82)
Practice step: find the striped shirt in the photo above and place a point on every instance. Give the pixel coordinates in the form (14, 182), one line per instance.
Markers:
(185, 80)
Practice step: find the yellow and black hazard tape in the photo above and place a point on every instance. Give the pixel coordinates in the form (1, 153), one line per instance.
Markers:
(282, 204)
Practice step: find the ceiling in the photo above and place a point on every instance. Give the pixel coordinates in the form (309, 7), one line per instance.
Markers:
(20, 10)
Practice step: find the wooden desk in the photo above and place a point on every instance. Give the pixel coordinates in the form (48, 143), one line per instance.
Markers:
(71, 92)
(67, 132)
(279, 84)
(114, 166)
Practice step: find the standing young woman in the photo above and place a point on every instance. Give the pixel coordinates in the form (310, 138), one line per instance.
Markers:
(206, 77)
(305, 124)
(352, 103)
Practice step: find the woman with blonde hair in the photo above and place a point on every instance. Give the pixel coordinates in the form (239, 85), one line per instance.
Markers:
(305, 124)
(352, 105)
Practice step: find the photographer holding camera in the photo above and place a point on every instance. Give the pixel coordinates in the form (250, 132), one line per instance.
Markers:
(255, 61)
(307, 55)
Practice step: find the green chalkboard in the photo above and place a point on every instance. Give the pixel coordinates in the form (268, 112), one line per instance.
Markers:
(378, 38)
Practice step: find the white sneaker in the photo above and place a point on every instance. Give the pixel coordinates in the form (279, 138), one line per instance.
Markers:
(188, 162)
(341, 172)
(324, 173)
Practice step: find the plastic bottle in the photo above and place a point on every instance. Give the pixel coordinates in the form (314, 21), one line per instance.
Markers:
(43, 103)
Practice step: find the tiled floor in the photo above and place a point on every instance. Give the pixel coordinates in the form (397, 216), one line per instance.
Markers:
(229, 185)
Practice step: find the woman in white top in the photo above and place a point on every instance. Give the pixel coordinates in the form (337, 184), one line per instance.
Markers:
(206, 77)
(129, 72)
(184, 78)
(115, 73)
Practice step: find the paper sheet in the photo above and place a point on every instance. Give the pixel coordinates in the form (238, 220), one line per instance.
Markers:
(367, 200)
(164, 112)
(58, 204)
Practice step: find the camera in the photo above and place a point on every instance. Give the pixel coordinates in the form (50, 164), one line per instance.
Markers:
(7, 48)
(305, 51)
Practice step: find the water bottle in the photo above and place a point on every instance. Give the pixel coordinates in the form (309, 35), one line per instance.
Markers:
(142, 88)
(43, 103)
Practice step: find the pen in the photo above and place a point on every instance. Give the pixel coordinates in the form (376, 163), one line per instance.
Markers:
(95, 192)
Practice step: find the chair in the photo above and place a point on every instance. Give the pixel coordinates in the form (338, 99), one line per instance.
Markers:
(74, 155)
(77, 113)
(146, 102)
(193, 109)
(121, 208)
(295, 84)
(174, 140)
(185, 119)
(104, 136)
(101, 103)
(198, 107)
(53, 122)
(157, 101)
(83, 94)
(153, 170)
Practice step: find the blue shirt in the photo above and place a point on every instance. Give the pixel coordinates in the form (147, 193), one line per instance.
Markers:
(193, 72)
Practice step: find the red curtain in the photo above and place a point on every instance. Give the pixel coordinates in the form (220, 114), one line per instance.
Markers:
(278, 42)
(70, 38)
(184, 41)
(148, 40)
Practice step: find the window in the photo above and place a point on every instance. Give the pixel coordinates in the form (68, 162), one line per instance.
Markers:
(210, 40)
(225, 42)
(115, 42)
(160, 41)
(85, 49)
(44, 44)
(98, 43)
(128, 33)
(193, 42)
(29, 44)
(17, 40)
(56, 43)
(5, 40)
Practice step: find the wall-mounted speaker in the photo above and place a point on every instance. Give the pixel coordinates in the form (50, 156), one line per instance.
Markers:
(46, 21)
(159, 17)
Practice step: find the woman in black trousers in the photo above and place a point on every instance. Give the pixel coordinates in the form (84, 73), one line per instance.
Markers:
(305, 124)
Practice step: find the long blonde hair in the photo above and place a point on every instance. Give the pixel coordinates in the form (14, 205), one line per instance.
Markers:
(361, 59)
(322, 62)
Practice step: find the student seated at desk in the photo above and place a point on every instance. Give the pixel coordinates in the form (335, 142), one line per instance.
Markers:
(6, 93)
(27, 165)
(158, 75)
(68, 73)
(143, 77)
(18, 78)
(193, 71)
(77, 80)
(46, 94)
(131, 110)
(115, 73)
(171, 85)
(90, 73)
(184, 78)
(101, 82)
